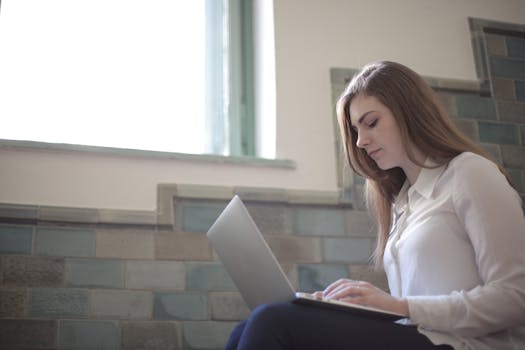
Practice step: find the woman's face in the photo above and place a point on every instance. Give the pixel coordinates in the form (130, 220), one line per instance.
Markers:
(378, 132)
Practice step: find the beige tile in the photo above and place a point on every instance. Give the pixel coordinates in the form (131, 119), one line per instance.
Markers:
(182, 246)
(126, 244)
(295, 249)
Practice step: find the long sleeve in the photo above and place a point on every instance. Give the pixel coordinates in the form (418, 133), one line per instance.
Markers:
(491, 214)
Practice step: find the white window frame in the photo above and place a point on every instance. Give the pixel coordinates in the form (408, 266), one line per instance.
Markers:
(231, 129)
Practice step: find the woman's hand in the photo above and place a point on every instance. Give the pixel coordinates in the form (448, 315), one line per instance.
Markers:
(363, 293)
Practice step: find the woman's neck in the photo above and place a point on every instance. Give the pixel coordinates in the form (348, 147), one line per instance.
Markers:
(412, 169)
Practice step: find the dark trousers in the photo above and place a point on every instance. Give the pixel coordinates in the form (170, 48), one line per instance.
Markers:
(303, 327)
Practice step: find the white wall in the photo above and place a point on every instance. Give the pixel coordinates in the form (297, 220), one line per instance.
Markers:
(431, 36)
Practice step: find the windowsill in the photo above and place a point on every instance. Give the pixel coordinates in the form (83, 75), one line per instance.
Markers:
(136, 153)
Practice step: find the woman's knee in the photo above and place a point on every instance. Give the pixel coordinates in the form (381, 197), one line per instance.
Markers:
(269, 311)
(274, 315)
(267, 326)
(235, 336)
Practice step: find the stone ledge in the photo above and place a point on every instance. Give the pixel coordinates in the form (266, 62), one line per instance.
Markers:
(341, 76)
(164, 216)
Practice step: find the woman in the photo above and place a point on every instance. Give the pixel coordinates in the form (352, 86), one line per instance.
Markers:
(451, 234)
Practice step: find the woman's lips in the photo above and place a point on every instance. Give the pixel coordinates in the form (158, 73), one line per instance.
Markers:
(373, 153)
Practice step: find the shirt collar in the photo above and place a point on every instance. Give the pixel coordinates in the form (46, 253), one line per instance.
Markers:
(424, 185)
(428, 177)
(402, 198)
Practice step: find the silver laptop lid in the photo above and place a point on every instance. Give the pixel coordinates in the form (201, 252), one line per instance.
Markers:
(248, 258)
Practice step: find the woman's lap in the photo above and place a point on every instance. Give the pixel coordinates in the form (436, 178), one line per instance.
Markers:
(294, 326)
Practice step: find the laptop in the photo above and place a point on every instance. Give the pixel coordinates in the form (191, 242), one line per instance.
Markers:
(256, 272)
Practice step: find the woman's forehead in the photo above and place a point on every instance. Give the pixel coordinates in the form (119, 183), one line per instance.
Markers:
(363, 104)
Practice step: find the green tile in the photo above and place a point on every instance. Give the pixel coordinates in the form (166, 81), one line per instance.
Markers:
(95, 273)
(65, 242)
(58, 302)
(508, 68)
(472, 106)
(350, 250)
(180, 306)
(15, 239)
(318, 222)
(498, 133)
(314, 277)
(199, 217)
(515, 47)
(87, 335)
(208, 276)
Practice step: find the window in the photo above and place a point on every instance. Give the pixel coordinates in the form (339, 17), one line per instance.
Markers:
(160, 75)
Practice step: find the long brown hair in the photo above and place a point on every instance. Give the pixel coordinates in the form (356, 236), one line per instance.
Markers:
(422, 122)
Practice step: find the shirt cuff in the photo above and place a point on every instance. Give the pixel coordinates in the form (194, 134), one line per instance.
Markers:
(430, 312)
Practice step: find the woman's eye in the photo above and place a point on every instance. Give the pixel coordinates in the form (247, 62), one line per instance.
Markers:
(373, 123)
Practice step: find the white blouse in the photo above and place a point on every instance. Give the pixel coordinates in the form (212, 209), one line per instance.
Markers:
(456, 252)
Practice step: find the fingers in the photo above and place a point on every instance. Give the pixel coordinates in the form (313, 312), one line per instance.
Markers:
(345, 290)
(348, 289)
(335, 285)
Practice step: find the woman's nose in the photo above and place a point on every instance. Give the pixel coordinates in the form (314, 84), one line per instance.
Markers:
(362, 140)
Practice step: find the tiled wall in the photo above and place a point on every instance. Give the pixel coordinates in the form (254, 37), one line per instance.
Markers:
(85, 279)
(491, 111)
(107, 279)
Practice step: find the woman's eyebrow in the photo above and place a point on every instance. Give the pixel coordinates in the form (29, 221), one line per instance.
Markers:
(360, 120)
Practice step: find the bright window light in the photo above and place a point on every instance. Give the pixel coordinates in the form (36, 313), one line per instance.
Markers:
(113, 73)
